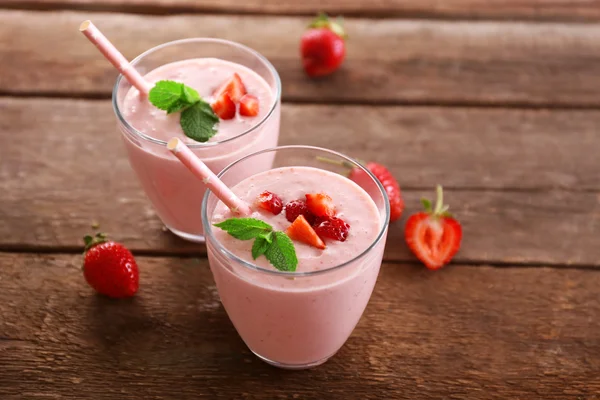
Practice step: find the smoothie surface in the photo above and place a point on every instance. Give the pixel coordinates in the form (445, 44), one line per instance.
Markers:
(352, 203)
(205, 75)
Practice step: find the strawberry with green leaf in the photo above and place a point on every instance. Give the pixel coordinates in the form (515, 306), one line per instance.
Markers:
(323, 46)
(433, 235)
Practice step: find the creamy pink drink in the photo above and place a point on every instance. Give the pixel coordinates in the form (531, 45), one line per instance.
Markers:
(175, 193)
(299, 319)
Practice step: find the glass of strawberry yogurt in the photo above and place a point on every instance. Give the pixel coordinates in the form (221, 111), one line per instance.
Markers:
(206, 65)
(298, 318)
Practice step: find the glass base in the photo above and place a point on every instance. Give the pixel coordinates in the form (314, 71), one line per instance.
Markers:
(187, 236)
(292, 366)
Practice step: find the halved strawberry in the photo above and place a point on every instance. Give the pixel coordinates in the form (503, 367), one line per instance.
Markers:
(301, 231)
(224, 106)
(249, 106)
(320, 205)
(270, 201)
(234, 87)
(434, 236)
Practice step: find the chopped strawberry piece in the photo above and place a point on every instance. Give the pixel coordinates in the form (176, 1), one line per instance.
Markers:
(249, 106)
(234, 87)
(295, 208)
(224, 107)
(320, 205)
(333, 228)
(270, 202)
(301, 231)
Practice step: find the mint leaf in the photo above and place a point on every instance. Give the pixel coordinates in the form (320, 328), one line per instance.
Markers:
(281, 253)
(165, 94)
(179, 105)
(197, 119)
(261, 244)
(245, 228)
(190, 95)
(198, 122)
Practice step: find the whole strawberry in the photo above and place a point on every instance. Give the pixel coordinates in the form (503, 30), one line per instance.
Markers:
(390, 184)
(109, 268)
(323, 47)
(434, 236)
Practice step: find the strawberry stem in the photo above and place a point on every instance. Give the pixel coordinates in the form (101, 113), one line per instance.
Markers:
(341, 163)
(439, 202)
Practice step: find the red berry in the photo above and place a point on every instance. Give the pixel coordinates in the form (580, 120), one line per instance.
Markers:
(392, 188)
(233, 86)
(322, 47)
(224, 107)
(110, 268)
(298, 207)
(433, 236)
(301, 231)
(333, 228)
(321, 205)
(270, 202)
(249, 106)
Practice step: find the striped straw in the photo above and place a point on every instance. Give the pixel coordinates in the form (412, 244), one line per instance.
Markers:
(198, 168)
(114, 56)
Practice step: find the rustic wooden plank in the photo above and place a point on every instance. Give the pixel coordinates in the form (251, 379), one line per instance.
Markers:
(391, 61)
(463, 332)
(581, 10)
(62, 166)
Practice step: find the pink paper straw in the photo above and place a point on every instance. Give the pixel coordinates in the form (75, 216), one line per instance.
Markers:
(198, 168)
(114, 56)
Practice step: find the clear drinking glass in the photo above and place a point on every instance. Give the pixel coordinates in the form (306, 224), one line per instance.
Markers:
(174, 192)
(295, 320)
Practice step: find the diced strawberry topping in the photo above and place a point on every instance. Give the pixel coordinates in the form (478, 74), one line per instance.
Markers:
(249, 106)
(270, 202)
(301, 231)
(333, 228)
(234, 87)
(320, 205)
(224, 107)
(298, 207)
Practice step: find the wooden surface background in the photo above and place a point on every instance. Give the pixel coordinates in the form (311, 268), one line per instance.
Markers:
(499, 101)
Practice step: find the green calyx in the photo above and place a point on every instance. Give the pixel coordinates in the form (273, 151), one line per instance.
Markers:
(440, 209)
(91, 241)
(323, 21)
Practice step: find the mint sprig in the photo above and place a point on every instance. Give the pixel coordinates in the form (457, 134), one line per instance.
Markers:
(197, 119)
(277, 247)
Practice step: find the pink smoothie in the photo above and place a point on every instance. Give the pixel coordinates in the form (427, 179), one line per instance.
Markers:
(303, 320)
(175, 193)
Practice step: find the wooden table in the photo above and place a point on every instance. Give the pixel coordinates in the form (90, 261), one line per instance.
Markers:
(499, 101)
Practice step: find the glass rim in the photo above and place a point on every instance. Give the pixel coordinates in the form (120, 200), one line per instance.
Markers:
(144, 136)
(208, 233)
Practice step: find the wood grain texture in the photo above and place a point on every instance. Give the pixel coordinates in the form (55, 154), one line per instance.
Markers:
(463, 332)
(580, 10)
(390, 61)
(524, 189)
